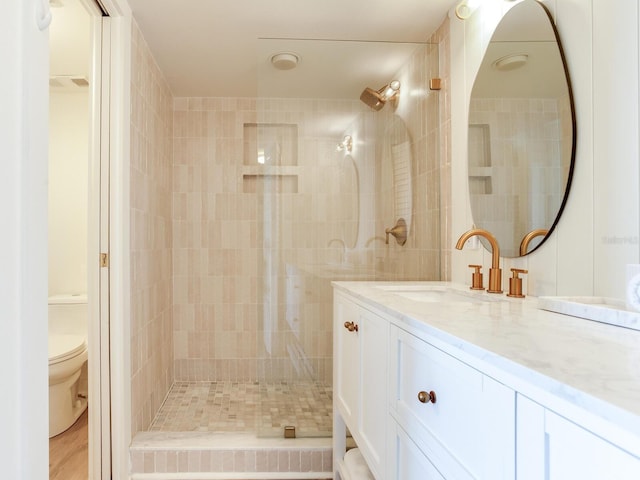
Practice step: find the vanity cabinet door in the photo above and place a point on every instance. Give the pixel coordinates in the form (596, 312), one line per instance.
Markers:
(360, 379)
(550, 447)
(374, 410)
(347, 361)
(462, 420)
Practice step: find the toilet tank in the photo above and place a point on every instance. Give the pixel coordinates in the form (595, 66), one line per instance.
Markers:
(68, 314)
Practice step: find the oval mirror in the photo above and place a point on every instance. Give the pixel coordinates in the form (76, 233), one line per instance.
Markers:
(521, 131)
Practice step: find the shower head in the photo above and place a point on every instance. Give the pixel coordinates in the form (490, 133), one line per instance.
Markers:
(377, 98)
(372, 98)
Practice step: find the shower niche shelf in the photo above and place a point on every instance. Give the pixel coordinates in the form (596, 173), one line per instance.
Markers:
(260, 179)
(261, 183)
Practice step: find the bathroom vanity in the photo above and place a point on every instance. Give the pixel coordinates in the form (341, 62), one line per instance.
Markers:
(434, 381)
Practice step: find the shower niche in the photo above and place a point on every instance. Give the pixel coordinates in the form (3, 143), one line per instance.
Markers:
(270, 155)
(480, 160)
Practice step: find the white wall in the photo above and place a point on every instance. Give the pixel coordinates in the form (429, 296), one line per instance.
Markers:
(598, 231)
(23, 243)
(615, 144)
(68, 196)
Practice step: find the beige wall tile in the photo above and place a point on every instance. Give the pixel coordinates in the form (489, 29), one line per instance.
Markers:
(151, 240)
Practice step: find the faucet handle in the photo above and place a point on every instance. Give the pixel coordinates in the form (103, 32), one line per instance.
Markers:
(515, 283)
(399, 231)
(476, 278)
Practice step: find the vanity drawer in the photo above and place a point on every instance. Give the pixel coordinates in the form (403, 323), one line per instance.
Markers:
(467, 426)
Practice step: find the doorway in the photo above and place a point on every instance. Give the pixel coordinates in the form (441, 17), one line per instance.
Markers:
(79, 218)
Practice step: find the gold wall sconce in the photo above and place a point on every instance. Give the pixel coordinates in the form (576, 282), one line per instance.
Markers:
(346, 144)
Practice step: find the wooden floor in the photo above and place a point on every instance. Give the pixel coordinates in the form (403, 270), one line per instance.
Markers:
(69, 452)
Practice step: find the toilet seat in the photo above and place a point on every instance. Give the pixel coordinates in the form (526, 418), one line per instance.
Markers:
(65, 346)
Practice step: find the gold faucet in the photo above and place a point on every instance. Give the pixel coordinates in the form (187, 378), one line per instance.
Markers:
(495, 274)
(524, 245)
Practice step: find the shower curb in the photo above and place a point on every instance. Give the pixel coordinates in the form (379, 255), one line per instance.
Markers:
(211, 456)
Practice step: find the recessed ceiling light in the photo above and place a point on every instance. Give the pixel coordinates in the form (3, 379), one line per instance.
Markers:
(511, 62)
(285, 60)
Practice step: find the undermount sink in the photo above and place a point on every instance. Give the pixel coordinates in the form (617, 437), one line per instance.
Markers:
(599, 309)
(435, 294)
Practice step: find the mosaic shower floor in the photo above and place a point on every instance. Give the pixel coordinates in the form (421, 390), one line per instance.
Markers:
(263, 408)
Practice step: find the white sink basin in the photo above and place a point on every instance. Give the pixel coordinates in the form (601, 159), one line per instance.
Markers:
(436, 294)
(599, 309)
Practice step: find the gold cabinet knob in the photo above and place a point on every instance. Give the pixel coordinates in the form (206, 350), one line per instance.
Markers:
(424, 397)
(351, 326)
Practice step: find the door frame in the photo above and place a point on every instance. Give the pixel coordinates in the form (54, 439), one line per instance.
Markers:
(120, 23)
(97, 242)
(109, 333)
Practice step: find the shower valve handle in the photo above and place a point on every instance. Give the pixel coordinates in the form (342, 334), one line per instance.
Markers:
(399, 230)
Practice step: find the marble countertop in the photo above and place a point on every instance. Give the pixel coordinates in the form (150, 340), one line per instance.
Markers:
(588, 364)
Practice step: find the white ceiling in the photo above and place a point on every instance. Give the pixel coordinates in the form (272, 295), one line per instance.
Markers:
(222, 48)
(525, 29)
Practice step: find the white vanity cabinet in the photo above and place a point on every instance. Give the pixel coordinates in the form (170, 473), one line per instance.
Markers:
(550, 447)
(361, 340)
(383, 379)
(462, 420)
(447, 391)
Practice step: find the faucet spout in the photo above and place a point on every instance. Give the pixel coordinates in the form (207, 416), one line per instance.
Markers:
(495, 274)
(524, 245)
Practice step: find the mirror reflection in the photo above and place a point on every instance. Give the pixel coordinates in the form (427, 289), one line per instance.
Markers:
(349, 212)
(397, 170)
(521, 132)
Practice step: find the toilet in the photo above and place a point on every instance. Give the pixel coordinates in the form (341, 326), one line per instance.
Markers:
(67, 361)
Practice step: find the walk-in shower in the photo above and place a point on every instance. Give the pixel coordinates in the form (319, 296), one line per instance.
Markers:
(282, 213)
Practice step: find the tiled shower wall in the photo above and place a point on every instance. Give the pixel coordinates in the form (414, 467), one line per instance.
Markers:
(151, 235)
(442, 39)
(215, 247)
(222, 331)
(419, 116)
